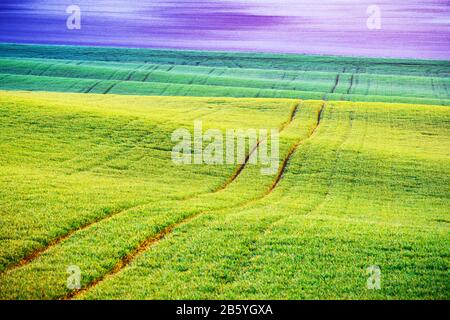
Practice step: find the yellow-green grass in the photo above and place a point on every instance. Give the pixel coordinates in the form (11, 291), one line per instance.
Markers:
(367, 184)
(370, 188)
(70, 159)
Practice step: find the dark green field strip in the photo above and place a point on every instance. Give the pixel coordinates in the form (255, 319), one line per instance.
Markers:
(143, 224)
(317, 234)
(230, 60)
(78, 85)
(161, 73)
(14, 63)
(362, 84)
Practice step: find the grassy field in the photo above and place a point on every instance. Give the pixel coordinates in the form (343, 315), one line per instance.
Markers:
(87, 180)
(87, 177)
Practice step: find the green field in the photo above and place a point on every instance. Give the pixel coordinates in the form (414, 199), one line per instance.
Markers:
(186, 73)
(87, 179)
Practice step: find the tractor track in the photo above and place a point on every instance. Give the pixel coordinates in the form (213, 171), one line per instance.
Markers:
(351, 84)
(133, 72)
(336, 83)
(241, 167)
(277, 220)
(146, 244)
(111, 87)
(148, 74)
(292, 151)
(92, 87)
(37, 253)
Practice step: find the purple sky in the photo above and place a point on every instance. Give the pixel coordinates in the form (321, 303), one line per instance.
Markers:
(409, 28)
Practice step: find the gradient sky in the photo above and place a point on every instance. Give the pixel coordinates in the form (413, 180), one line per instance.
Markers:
(409, 28)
